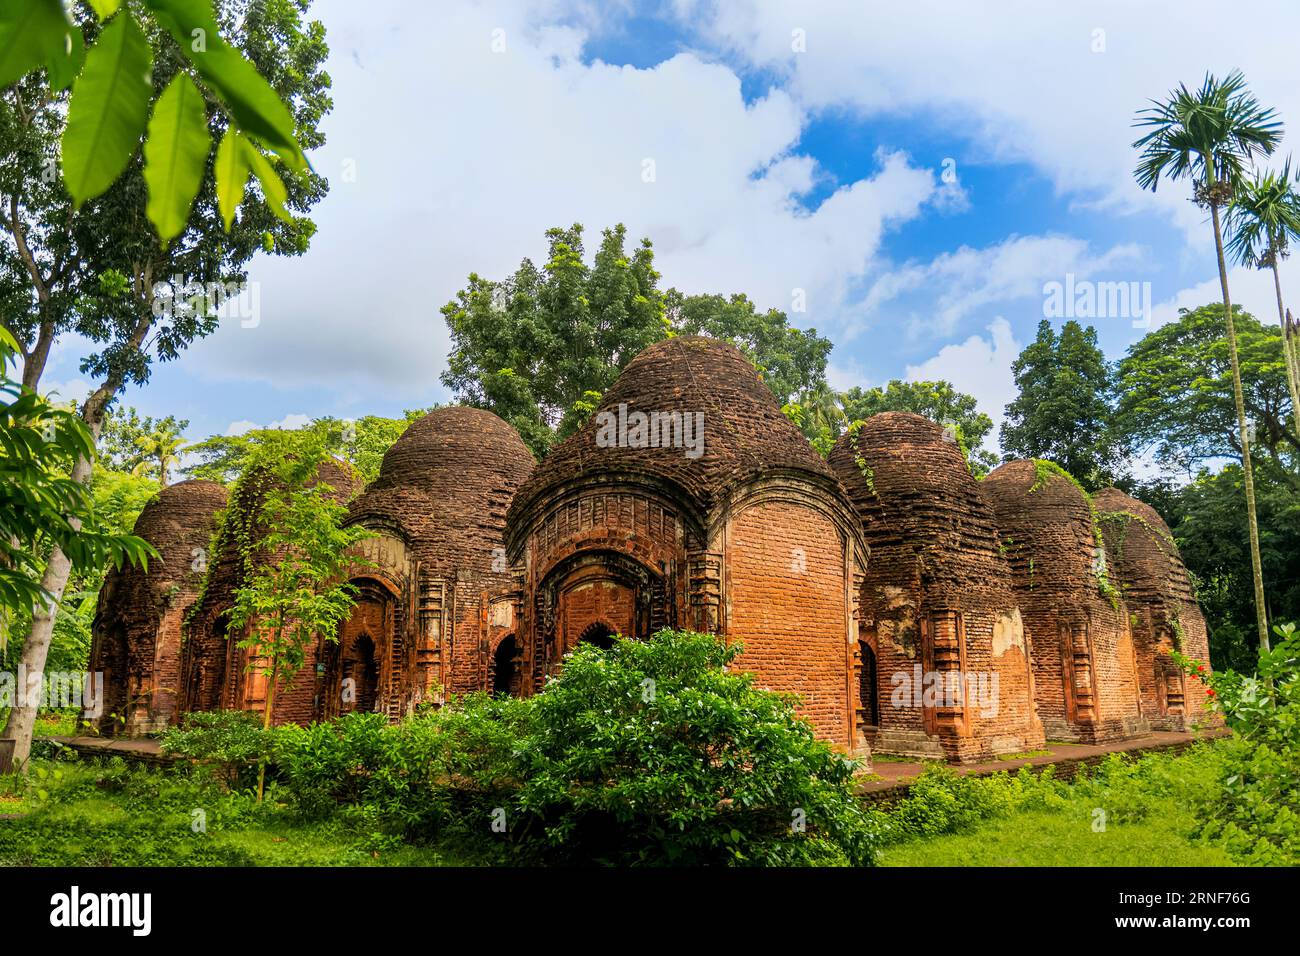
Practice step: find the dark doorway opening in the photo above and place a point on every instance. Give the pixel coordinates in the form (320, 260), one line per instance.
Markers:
(362, 666)
(503, 666)
(867, 688)
(599, 635)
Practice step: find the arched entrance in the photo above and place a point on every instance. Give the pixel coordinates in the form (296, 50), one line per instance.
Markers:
(505, 669)
(598, 634)
(362, 671)
(361, 675)
(868, 693)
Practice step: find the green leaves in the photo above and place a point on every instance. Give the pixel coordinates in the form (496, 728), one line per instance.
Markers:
(105, 8)
(253, 104)
(272, 187)
(232, 174)
(109, 108)
(175, 155)
(65, 64)
(31, 32)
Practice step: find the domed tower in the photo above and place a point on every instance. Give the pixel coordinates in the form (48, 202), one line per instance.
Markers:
(136, 635)
(689, 500)
(214, 670)
(1163, 613)
(437, 607)
(1077, 623)
(945, 664)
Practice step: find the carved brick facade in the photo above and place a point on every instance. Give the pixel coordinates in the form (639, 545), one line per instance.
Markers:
(937, 605)
(136, 635)
(749, 535)
(1085, 665)
(1163, 613)
(911, 608)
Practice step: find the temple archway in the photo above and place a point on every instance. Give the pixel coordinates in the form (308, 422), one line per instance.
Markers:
(598, 634)
(505, 668)
(869, 714)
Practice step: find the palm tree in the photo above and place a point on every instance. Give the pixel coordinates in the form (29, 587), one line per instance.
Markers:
(1211, 136)
(160, 448)
(1263, 219)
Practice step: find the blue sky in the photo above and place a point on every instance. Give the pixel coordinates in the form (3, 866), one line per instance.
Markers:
(796, 146)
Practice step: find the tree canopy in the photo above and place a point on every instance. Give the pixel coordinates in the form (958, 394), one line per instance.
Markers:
(1063, 410)
(540, 347)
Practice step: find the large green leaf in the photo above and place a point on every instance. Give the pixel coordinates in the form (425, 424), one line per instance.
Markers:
(66, 64)
(109, 109)
(175, 155)
(32, 32)
(272, 186)
(255, 106)
(232, 174)
(105, 8)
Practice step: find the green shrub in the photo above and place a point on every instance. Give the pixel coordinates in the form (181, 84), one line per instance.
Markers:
(1255, 816)
(655, 753)
(647, 753)
(231, 741)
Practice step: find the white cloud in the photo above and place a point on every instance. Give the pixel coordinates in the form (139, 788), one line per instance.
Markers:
(75, 390)
(1024, 80)
(931, 299)
(979, 366)
(462, 165)
(1252, 289)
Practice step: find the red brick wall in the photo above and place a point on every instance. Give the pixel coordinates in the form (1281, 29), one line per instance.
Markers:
(593, 602)
(791, 621)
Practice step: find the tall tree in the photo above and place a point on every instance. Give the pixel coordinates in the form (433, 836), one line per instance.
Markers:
(78, 253)
(541, 347)
(1177, 398)
(161, 450)
(1063, 410)
(43, 509)
(298, 592)
(531, 347)
(1263, 219)
(1211, 136)
(938, 401)
(119, 440)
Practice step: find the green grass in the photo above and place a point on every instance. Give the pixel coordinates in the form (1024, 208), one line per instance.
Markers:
(1055, 838)
(106, 813)
(1025, 755)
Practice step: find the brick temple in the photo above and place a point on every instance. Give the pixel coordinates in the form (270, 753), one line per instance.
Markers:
(911, 608)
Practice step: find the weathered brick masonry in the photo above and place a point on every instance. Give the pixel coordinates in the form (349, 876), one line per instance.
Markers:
(1085, 669)
(438, 614)
(1163, 613)
(938, 611)
(136, 635)
(910, 607)
(749, 535)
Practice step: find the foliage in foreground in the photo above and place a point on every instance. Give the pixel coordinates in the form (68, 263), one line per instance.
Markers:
(647, 753)
(1256, 813)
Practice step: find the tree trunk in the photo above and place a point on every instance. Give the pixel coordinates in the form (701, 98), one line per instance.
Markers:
(1292, 374)
(36, 648)
(266, 722)
(1238, 396)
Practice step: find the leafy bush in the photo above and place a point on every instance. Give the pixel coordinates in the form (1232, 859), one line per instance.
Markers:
(387, 778)
(647, 753)
(655, 753)
(1256, 816)
(233, 741)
